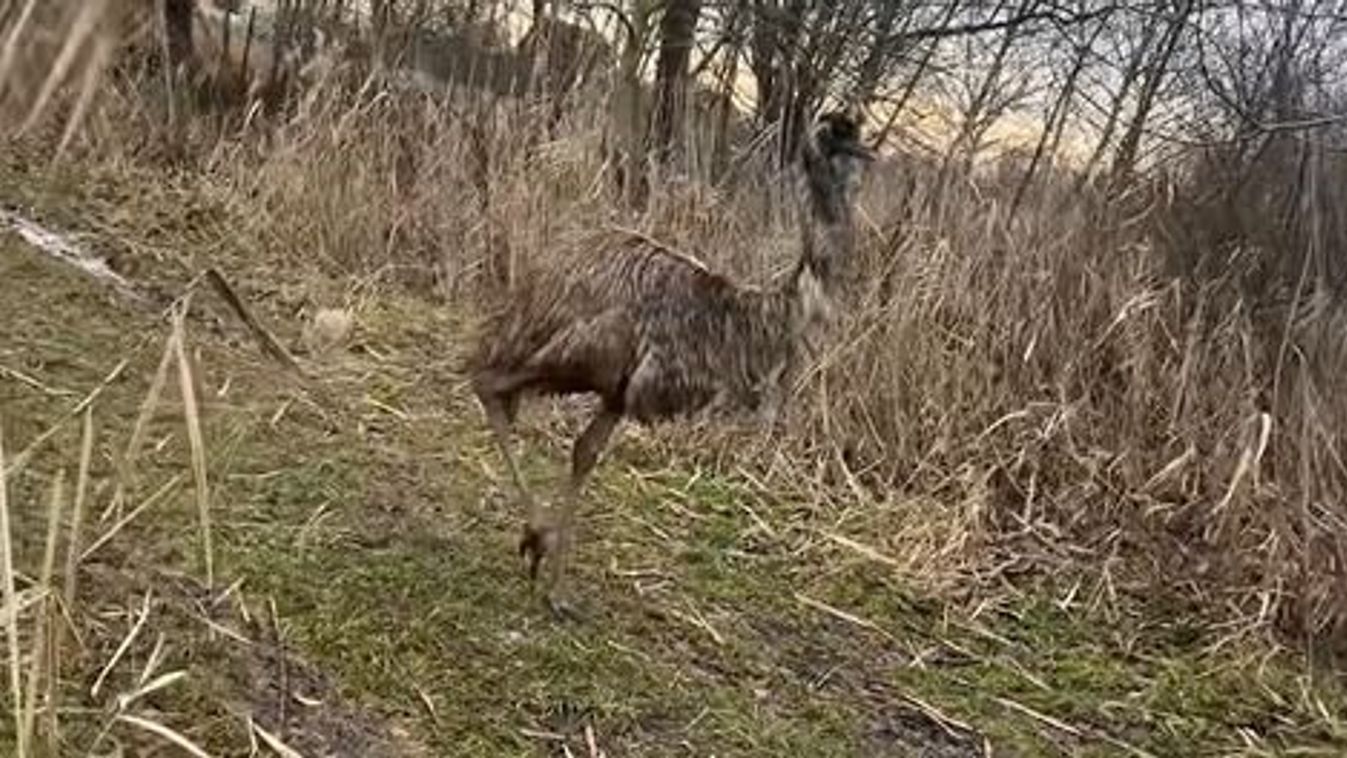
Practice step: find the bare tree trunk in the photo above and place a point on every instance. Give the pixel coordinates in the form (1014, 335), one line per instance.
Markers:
(973, 128)
(777, 38)
(629, 108)
(827, 48)
(1125, 159)
(1129, 77)
(678, 28)
(481, 142)
(728, 74)
(910, 87)
(1052, 129)
(880, 54)
(763, 60)
(178, 29)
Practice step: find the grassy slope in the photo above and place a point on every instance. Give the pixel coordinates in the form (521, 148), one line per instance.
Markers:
(368, 512)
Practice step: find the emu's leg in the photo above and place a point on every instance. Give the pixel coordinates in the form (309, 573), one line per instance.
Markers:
(500, 412)
(498, 415)
(584, 456)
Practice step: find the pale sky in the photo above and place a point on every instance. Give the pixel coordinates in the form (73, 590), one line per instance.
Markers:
(932, 121)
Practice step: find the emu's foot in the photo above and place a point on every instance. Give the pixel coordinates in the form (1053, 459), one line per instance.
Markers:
(536, 543)
(562, 608)
(539, 543)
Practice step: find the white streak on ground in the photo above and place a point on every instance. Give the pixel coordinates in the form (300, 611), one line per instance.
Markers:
(61, 247)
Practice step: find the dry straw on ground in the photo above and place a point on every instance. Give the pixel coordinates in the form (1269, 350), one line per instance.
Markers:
(1086, 389)
(1046, 374)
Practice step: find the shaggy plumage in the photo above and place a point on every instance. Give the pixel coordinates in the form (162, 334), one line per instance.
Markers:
(656, 335)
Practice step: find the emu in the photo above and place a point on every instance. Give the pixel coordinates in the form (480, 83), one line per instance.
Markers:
(656, 335)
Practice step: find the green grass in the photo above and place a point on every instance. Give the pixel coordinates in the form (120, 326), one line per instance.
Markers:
(386, 544)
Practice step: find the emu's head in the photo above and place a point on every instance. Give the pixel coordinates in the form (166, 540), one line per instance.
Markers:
(833, 162)
(837, 137)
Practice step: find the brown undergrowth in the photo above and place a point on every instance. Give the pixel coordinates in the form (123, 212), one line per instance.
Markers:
(1055, 408)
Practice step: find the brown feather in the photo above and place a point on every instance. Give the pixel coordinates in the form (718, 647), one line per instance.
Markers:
(653, 332)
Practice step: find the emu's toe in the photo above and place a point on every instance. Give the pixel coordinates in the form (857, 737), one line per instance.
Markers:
(539, 543)
(534, 545)
(562, 608)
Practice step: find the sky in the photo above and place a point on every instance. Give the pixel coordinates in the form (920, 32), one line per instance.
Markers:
(930, 120)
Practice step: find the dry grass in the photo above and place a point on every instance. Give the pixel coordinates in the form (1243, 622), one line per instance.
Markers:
(114, 665)
(1048, 378)
(361, 529)
(48, 616)
(1053, 403)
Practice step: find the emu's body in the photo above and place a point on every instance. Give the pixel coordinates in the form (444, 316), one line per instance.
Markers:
(655, 335)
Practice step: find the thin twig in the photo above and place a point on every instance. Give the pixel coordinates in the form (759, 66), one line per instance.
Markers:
(838, 613)
(264, 338)
(41, 644)
(11, 604)
(196, 441)
(124, 646)
(952, 726)
(34, 383)
(128, 518)
(1039, 716)
(77, 517)
(22, 458)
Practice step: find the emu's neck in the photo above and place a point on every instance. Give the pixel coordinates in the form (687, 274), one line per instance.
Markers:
(772, 327)
(827, 242)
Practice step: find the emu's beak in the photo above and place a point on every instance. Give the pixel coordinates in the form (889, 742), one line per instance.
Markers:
(858, 151)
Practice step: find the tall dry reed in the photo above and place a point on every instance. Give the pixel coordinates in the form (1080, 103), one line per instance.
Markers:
(1051, 373)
